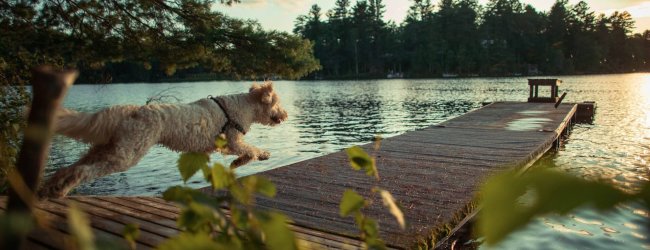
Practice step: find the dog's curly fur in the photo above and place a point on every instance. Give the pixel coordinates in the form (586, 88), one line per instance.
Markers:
(121, 135)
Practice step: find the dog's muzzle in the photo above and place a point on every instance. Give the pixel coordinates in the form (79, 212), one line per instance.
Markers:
(277, 119)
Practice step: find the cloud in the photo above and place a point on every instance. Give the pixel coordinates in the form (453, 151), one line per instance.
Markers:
(638, 11)
(252, 3)
(294, 5)
(290, 5)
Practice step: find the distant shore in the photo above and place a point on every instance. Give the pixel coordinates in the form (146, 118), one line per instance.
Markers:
(348, 78)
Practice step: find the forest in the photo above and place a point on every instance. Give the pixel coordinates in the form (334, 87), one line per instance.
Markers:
(144, 41)
(464, 38)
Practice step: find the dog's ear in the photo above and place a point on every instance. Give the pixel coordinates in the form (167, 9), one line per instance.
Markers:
(263, 93)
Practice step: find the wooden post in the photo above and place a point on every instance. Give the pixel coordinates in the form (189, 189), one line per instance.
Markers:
(553, 94)
(49, 87)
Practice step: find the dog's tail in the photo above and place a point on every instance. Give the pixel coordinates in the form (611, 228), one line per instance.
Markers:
(93, 128)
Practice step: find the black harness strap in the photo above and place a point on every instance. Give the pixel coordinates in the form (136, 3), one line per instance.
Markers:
(229, 121)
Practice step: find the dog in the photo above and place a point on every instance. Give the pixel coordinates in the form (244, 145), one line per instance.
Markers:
(121, 135)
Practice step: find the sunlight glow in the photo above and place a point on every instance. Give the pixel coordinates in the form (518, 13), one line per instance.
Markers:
(638, 11)
(645, 92)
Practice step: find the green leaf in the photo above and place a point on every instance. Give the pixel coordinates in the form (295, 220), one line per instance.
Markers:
(189, 163)
(221, 142)
(191, 241)
(185, 196)
(392, 206)
(80, 228)
(241, 195)
(359, 160)
(13, 226)
(239, 217)
(370, 227)
(375, 244)
(222, 177)
(350, 203)
(259, 184)
(542, 192)
(207, 173)
(230, 242)
(197, 218)
(265, 187)
(371, 232)
(131, 233)
(277, 233)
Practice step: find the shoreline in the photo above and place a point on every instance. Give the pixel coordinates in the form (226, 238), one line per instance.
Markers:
(362, 78)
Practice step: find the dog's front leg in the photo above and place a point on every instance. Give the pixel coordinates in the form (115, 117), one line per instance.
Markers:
(246, 152)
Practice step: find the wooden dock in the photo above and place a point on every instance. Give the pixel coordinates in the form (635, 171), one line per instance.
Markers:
(433, 173)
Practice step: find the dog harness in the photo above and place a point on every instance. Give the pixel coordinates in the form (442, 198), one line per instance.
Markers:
(229, 122)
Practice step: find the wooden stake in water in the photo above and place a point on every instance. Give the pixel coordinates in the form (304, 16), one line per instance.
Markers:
(557, 104)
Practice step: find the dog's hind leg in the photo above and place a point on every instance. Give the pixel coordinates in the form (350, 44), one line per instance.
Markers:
(118, 155)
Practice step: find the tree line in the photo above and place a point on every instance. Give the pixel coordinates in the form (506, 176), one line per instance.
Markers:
(143, 40)
(461, 37)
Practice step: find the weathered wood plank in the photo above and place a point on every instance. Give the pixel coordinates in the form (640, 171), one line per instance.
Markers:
(150, 222)
(58, 237)
(433, 172)
(103, 220)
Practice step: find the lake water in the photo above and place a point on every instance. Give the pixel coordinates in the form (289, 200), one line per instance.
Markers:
(327, 116)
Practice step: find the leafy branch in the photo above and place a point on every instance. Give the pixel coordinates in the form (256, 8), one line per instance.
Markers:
(352, 203)
(229, 220)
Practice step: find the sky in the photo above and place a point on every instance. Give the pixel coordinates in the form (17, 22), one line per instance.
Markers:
(281, 14)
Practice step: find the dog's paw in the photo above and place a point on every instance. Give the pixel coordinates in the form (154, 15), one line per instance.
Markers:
(264, 155)
(241, 160)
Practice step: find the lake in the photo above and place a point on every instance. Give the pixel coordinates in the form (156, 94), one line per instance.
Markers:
(327, 116)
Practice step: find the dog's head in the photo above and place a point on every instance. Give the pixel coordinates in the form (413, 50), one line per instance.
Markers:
(269, 111)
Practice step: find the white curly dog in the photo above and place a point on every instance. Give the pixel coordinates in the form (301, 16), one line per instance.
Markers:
(121, 135)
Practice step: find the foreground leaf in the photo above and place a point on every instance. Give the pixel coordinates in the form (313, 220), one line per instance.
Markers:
(392, 206)
(360, 160)
(131, 232)
(13, 226)
(197, 218)
(80, 228)
(221, 142)
(191, 241)
(277, 233)
(370, 235)
(185, 196)
(546, 192)
(189, 163)
(259, 184)
(222, 177)
(351, 202)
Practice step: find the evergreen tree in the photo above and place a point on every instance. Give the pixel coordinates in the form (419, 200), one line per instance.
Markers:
(504, 37)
